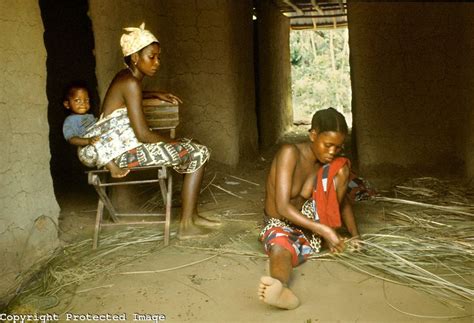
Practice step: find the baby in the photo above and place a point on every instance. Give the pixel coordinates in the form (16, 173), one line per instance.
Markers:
(76, 100)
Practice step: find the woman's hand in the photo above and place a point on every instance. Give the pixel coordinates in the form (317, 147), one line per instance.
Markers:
(354, 244)
(336, 245)
(334, 241)
(168, 97)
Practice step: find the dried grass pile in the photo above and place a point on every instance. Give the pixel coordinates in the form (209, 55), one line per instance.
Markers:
(427, 242)
(77, 263)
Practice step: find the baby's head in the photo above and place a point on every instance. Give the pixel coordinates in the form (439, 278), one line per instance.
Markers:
(327, 134)
(76, 98)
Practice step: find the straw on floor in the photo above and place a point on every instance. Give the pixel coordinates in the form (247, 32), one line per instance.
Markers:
(427, 242)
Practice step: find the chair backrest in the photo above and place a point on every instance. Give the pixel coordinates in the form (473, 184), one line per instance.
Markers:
(161, 115)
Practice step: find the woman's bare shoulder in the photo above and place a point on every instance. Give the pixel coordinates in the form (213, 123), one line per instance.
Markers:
(115, 98)
(289, 151)
(287, 155)
(288, 148)
(123, 79)
(123, 83)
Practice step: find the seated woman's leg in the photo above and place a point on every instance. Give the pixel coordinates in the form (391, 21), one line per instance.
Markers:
(273, 289)
(189, 195)
(187, 158)
(191, 221)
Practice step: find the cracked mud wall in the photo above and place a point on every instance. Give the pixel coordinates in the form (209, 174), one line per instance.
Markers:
(412, 83)
(469, 151)
(274, 105)
(468, 125)
(207, 60)
(29, 211)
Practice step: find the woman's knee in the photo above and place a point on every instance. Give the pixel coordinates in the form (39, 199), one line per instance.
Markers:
(342, 176)
(278, 251)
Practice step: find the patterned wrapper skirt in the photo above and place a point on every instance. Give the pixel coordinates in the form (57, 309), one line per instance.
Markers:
(183, 155)
(117, 142)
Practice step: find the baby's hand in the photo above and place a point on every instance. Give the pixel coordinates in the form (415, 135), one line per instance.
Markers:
(93, 140)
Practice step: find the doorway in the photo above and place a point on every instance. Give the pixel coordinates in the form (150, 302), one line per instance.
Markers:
(320, 73)
(69, 42)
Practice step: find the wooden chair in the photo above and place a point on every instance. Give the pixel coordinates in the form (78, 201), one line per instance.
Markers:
(160, 116)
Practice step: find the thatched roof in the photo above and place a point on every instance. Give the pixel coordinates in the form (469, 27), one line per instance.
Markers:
(314, 14)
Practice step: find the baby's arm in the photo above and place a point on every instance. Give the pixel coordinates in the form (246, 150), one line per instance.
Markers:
(78, 141)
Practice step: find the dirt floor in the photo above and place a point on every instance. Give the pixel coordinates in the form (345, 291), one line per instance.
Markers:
(215, 279)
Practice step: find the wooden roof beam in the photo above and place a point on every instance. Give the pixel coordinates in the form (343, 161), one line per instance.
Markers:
(309, 7)
(316, 7)
(295, 7)
(341, 5)
(318, 16)
(328, 25)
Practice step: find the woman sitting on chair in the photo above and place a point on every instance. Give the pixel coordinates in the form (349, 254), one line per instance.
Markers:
(131, 143)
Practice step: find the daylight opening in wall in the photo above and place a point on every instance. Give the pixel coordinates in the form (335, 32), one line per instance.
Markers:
(320, 73)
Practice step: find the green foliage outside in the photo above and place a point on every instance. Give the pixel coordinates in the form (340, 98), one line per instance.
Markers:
(320, 72)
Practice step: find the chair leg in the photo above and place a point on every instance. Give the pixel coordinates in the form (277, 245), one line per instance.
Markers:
(163, 190)
(102, 192)
(98, 221)
(165, 180)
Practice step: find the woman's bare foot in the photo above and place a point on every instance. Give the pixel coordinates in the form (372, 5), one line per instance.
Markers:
(119, 173)
(191, 231)
(115, 171)
(206, 222)
(272, 292)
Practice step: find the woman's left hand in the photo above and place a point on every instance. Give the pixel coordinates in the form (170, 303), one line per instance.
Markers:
(355, 243)
(168, 97)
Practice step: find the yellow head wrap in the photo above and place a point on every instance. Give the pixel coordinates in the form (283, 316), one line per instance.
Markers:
(136, 39)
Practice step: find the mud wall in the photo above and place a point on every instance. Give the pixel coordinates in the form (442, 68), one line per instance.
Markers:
(207, 60)
(28, 212)
(274, 107)
(412, 80)
(468, 125)
(469, 149)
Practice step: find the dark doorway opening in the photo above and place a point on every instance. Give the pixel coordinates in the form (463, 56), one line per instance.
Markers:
(69, 42)
(320, 72)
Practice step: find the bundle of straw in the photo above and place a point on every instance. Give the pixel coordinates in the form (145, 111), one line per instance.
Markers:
(427, 243)
(433, 190)
(407, 256)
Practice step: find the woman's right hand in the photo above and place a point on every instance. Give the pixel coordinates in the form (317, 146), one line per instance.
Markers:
(334, 241)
